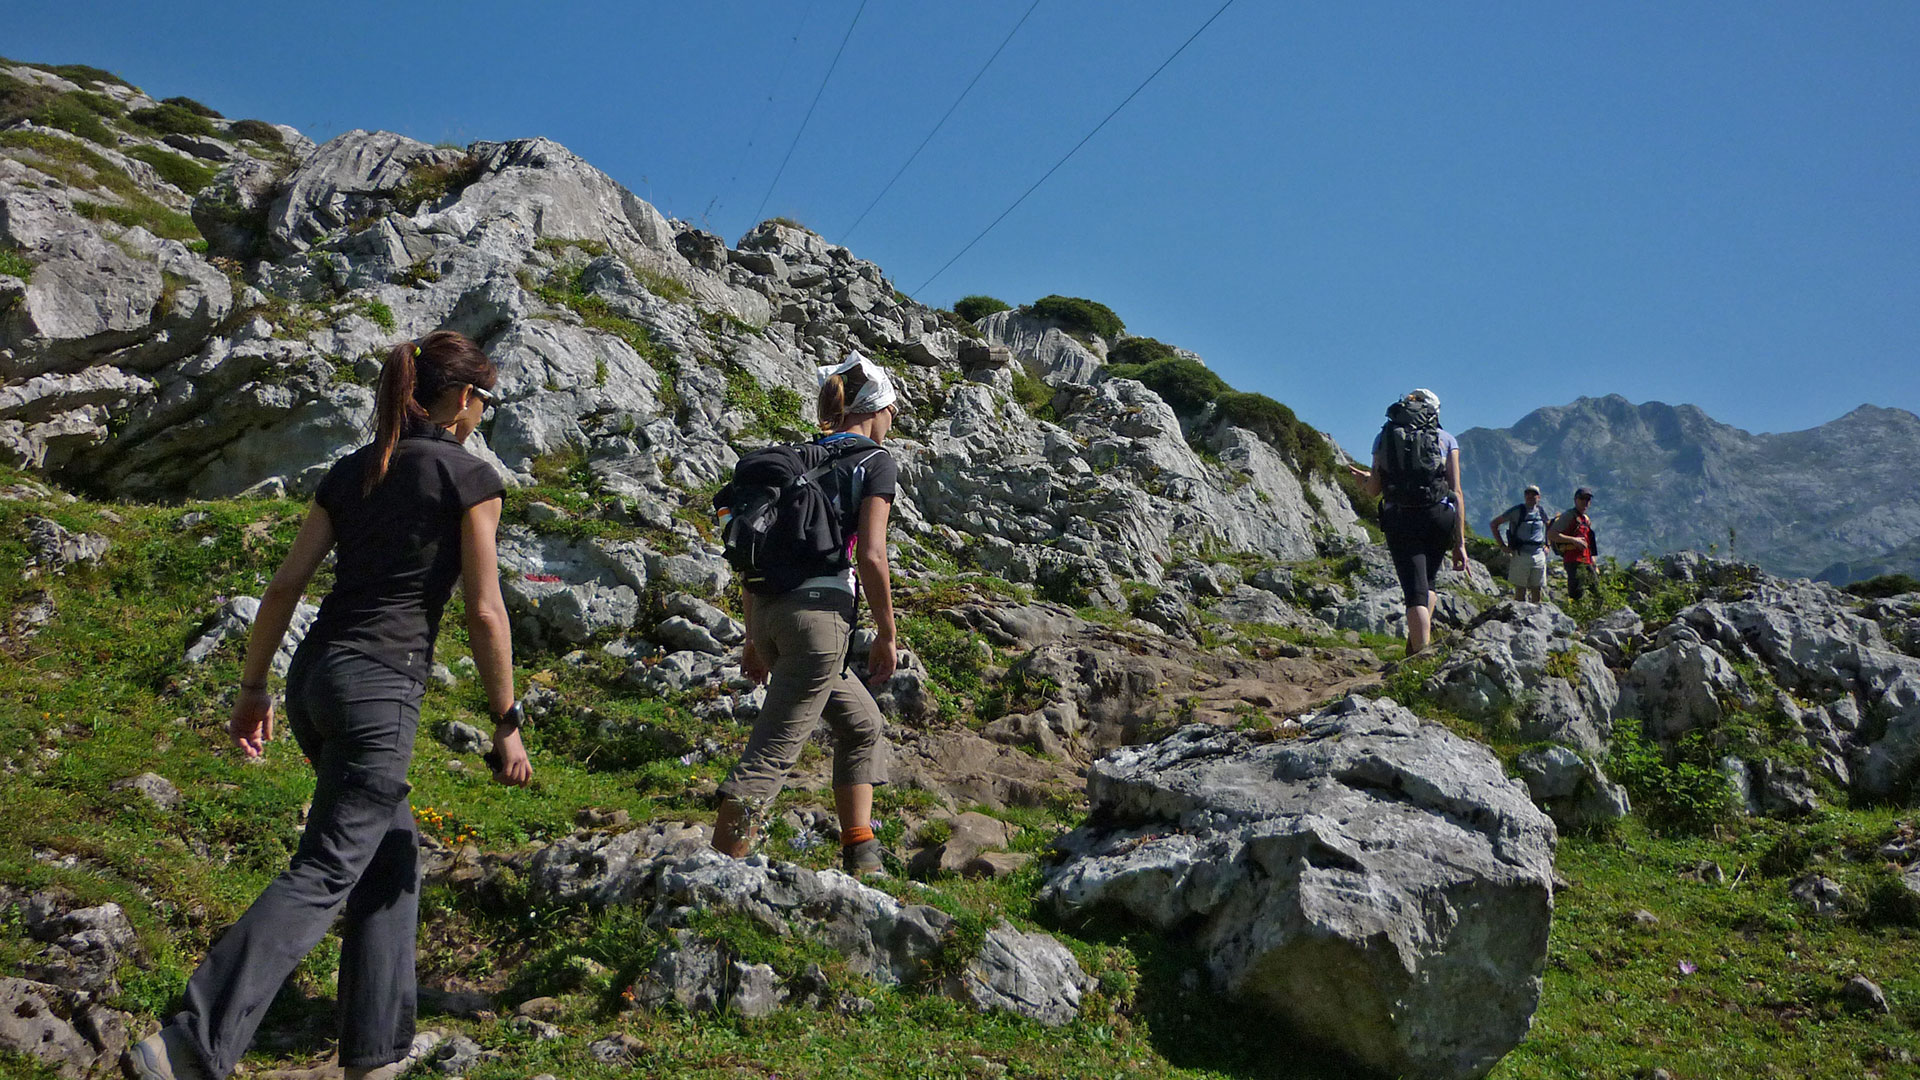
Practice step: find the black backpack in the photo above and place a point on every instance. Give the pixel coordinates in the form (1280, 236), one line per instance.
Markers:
(779, 524)
(1412, 457)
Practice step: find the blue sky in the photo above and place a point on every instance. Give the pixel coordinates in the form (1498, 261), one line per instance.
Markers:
(1514, 204)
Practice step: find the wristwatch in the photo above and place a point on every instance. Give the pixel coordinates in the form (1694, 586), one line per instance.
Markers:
(515, 716)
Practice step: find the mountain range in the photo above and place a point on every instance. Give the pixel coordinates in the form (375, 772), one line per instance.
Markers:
(1835, 502)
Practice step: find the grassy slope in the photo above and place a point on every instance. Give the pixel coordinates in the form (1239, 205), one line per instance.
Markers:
(101, 695)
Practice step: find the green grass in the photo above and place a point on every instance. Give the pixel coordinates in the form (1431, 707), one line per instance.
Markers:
(14, 263)
(775, 410)
(1079, 316)
(259, 131)
(168, 119)
(144, 212)
(182, 172)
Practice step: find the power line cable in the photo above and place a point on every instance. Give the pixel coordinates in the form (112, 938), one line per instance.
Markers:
(1076, 149)
(753, 134)
(844, 236)
(803, 120)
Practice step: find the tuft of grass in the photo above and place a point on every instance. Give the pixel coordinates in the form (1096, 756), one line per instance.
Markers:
(144, 212)
(665, 286)
(177, 169)
(74, 113)
(15, 263)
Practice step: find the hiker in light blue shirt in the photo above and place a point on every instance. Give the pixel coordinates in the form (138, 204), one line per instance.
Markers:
(1526, 538)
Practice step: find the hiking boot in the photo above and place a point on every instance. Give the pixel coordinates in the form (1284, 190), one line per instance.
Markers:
(733, 829)
(863, 860)
(166, 1055)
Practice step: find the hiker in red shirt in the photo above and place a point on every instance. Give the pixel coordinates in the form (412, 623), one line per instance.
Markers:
(1572, 536)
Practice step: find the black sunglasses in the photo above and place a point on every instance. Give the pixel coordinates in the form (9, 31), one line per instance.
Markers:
(487, 397)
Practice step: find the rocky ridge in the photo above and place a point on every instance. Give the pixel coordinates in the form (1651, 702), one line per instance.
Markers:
(1835, 501)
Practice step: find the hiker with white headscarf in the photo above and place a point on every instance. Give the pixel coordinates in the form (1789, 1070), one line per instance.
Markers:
(797, 640)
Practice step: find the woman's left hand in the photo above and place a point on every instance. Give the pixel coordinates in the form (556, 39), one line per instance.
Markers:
(251, 721)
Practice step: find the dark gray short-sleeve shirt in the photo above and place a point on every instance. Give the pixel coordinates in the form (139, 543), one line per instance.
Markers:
(397, 548)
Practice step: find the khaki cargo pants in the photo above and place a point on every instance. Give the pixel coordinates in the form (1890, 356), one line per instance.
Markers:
(802, 637)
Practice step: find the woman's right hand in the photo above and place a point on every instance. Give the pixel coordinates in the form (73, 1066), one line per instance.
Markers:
(882, 659)
(754, 667)
(514, 768)
(1460, 557)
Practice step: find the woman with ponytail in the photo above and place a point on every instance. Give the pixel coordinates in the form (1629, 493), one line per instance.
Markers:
(406, 516)
(797, 640)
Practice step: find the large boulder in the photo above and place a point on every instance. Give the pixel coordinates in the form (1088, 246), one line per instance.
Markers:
(1377, 883)
(65, 1030)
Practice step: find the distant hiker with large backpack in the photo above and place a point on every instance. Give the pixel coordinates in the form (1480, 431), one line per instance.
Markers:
(1526, 539)
(1416, 472)
(405, 517)
(806, 527)
(1572, 536)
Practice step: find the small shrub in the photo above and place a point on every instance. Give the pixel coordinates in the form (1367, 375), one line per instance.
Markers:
(1139, 351)
(975, 308)
(259, 131)
(378, 313)
(171, 120)
(1033, 394)
(1889, 902)
(182, 172)
(193, 107)
(1676, 791)
(1879, 588)
(15, 264)
(1187, 385)
(19, 98)
(775, 410)
(959, 323)
(434, 181)
(1079, 315)
(417, 275)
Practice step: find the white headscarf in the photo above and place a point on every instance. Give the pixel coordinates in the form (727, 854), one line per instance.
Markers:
(1425, 393)
(875, 394)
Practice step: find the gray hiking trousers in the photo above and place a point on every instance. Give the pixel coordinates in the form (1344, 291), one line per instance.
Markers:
(802, 636)
(354, 718)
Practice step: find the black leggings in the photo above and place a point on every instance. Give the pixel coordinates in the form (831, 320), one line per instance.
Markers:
(1418, 537)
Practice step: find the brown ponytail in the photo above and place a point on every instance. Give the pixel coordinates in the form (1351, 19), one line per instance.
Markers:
(415, 375)
(834, 395)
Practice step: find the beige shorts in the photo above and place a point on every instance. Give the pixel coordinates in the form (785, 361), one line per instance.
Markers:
(1528, 571)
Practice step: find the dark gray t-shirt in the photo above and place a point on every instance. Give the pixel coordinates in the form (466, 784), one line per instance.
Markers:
(873, 472)
(397, 549)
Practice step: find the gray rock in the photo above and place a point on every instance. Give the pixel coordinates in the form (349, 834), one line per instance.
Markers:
(64, 1030)
(1617, 636)
(1817, 893)
(1307, 870)
(1030, 975)
(463, 738)
(456, 1056)
(1680, 686)
(555, 611)
(1862, 994)
(756, 990)
(156, 789)
(970, 835)
(1506, 667)
(235, 618)
(52, 547)
(680, 633)
(1574, 791)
